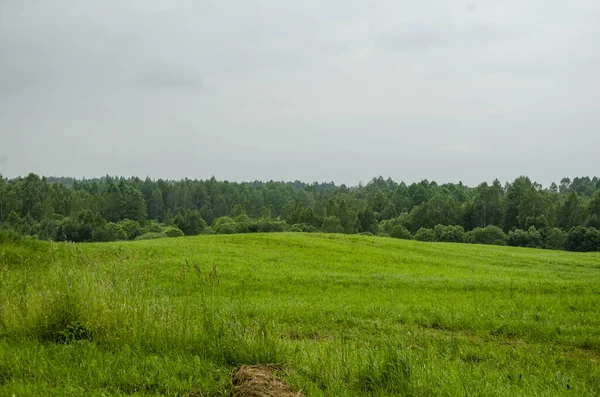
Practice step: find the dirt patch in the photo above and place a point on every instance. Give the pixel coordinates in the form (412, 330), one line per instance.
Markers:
(260, 381)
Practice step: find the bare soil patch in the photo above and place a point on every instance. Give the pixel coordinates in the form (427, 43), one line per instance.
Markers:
(261, 381)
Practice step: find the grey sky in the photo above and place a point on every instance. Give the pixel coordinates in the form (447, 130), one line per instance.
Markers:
(313, 90)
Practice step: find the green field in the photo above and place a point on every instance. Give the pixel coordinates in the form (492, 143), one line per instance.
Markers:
(346, 315)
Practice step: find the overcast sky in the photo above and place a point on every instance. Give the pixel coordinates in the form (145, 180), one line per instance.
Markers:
(315, 90)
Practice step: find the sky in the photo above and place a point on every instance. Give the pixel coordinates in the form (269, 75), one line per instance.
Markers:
(312, 90)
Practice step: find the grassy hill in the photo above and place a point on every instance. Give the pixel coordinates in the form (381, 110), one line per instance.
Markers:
(345, 315)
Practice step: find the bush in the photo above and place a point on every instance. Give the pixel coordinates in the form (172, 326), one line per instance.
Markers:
(225, 228)
(492, 235)
(222, 220)
(267, 225)
(10, 237)
(150, 236)
(110, 232)
(224, 225)
(303, 227)
(131, 228)
(449, 234)
(331, 224)
(191, 224)
(556, 239)
(583, 239)
(173, 232)
(244, 224)
(521, 238)
(153, 227)
(400, 231)
(387, 226)
(424, 234)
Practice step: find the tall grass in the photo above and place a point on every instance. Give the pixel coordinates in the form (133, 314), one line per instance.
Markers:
(347, 315)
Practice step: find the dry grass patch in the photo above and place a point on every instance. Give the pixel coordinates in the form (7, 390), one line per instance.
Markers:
(261, 381)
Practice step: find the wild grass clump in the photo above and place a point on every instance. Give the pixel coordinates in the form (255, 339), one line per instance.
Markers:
(387, 370)
(59, 320)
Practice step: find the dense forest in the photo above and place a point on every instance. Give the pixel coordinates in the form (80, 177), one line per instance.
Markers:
(519, 213)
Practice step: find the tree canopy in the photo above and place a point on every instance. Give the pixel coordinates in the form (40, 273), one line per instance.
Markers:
(564, 215)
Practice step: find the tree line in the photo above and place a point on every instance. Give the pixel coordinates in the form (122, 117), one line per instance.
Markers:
(518, 213)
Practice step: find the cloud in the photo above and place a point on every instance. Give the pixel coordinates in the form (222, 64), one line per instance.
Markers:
(325, 82)
(462, 147)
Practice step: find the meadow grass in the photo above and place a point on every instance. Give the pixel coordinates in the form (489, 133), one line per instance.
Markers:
(346, 315)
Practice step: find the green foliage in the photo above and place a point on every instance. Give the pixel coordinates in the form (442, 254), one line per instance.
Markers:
(123, 201)
(331, 224)
(526, 238)
(556, 239)
(191, 224)
(87, 210)
(81, 227)
(583, 239)
(266, 225)
(110, 232)
(173, 232)
(10, 237)
(489, 235)
(302, 227)
(224, 225)
(424, 234)
(150, 236)
(131, 228)
(153, 227)
(367, 221)
(401, 232)
(73, 332)
(244, 224)
(449, 234)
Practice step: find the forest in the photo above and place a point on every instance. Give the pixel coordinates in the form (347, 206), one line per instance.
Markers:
(519, 213)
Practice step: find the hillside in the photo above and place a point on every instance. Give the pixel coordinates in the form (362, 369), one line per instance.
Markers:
(344, 315)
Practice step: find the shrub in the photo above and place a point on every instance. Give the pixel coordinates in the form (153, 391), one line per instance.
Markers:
(131, 228)
(10, 236)
(153, 227)
(225, 228)
(521, 238)
(556, 239)
(267, 225)
(173, 232)
(583, 239)
(331, 224)
(424, 234)
(303, 227)
(224, 225)
(488, 235)
(387, 226)
(222, 220)
(244, 224)
(150, 236)
(449, 234)
(191, 224)
(400, 231)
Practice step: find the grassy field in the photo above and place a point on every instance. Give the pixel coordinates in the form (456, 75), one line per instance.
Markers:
(346, 315)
